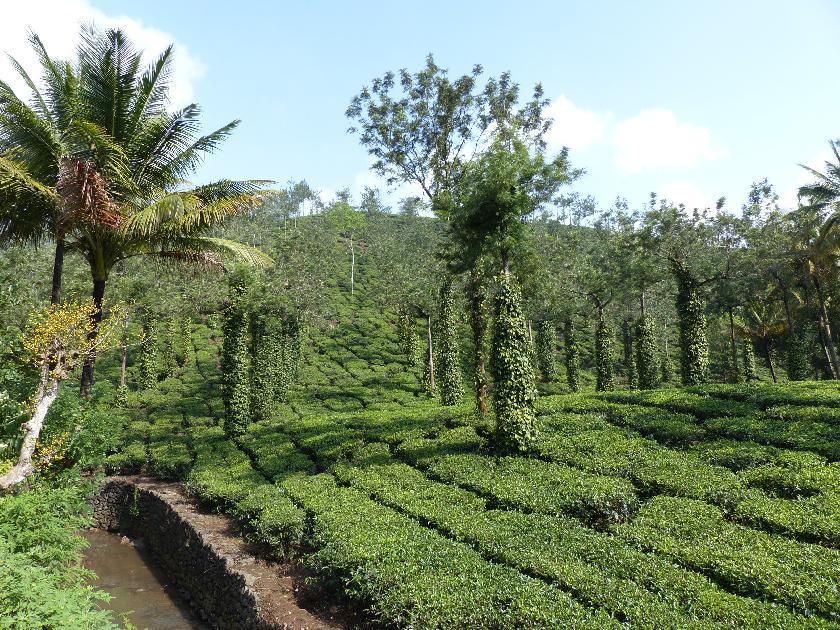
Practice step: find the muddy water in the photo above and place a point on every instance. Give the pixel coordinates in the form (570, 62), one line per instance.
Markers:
(137, 587)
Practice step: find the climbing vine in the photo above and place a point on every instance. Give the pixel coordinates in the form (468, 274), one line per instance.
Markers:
(748, 355)
(236, 362)
(546, 341)
(646, 355)
(604, 380)
(694, 346)
(572, 356)
(449, 360)
(514, 390)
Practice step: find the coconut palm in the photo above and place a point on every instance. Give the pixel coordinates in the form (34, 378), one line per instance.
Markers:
(34, 137)
(122, 190)
(98, 163)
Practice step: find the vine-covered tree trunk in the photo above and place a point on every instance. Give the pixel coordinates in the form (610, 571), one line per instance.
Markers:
(546, 341)
(734, 375)
(236, 366)
(429, 367)
(267, 371)
(148, 363)
(449, 360)
(694, 346)
(409, 341)
(514, 391)
(478, 323)
(648, 370)
(798, 359)
(629, 357)
(667, 367)
(604, 380)
(749, 361)
(572, 355)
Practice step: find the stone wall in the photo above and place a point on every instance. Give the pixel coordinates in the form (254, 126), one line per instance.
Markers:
(210, 566)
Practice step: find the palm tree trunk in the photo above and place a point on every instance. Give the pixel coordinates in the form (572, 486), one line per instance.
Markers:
(44, 398)
(58, 267)
(96, 320)
(825, 326)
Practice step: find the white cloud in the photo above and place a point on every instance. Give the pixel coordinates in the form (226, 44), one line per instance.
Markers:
(656, 140)
(573, 126)
(58, 22)
(686, 193)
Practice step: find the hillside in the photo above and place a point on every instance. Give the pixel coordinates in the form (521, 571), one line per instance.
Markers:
(712, 507)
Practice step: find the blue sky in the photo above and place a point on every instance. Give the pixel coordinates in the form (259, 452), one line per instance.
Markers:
(692, 100)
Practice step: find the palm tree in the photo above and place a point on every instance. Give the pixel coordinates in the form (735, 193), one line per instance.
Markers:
(33, 139)
(124, 190)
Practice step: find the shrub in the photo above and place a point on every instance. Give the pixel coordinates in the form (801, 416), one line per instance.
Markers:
(698, 536)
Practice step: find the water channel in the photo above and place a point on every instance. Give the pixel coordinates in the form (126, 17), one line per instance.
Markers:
(137, 586)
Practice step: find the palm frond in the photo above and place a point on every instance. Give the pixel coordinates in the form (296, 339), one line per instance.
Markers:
(152, 90)
(108, 68)
(27, 206)
(227, 248)
(39, 104)
(164, 215)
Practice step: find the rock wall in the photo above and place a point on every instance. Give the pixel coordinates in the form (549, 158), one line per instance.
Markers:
(227, 586)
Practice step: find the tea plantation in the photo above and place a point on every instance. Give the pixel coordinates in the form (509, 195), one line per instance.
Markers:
(713, 506)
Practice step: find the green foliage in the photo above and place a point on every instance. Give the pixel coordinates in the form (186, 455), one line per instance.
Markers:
(148, 361)
(42, 584)
(698, 536)
(448, 355)
(646, 354)
(694, 346)
(798, 358)
(172, 345)
(666, 368)
(545, 348)
(409, 340)
(572, 356)
(236, 362)
(514, 391)
(603, 357)
(629, 356)
(748, 357)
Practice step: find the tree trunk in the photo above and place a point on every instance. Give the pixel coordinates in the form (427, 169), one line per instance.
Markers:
(768, 352)
(352, 266)
(734, 345)
(122, 365)
(478, 322)
(90, 359)
(642, 304)
(530, 335)
(824, 347)
(44, 398)
(58, 267)
(825, 326)
(430, 355)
